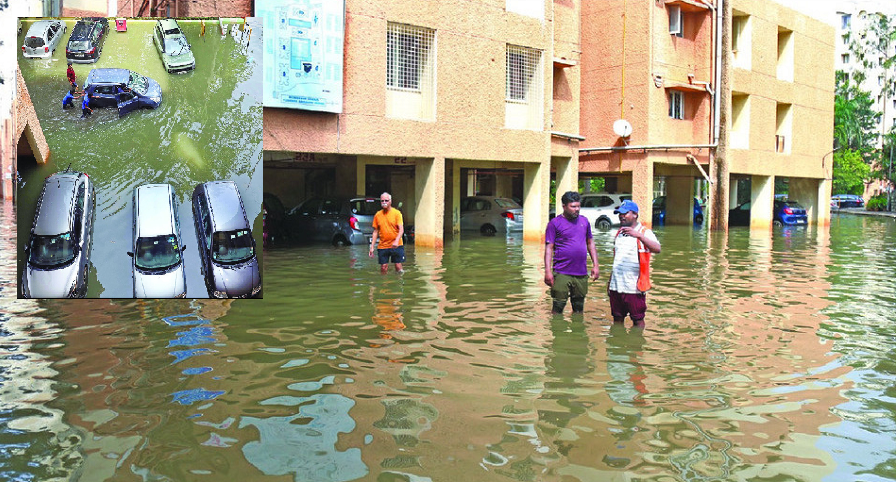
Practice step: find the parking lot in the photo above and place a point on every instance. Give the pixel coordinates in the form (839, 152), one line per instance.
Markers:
(208, 127)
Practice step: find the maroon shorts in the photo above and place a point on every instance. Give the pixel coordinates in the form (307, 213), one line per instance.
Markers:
(622, 304)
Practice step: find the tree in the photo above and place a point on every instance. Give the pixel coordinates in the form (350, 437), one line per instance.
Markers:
(850, 172)
(855, 135)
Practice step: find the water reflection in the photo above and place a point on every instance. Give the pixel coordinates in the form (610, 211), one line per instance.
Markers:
(763, 358)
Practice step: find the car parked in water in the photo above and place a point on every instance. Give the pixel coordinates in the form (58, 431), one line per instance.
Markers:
(173, 47)
(847, 201)
(659, 210)
(158, 263)
(598, 208)
(490, 215)
(58, 250)
(226, 245)
(87, 39)
(42, 38)
(327, 219)
(785, 213)
(122, 88)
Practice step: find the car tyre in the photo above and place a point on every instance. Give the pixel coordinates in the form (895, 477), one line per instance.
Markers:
(488, 230)
(698, 219)
(603, 223)
(340, 241)
(777, 223)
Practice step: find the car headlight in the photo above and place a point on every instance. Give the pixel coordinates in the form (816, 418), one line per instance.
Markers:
(26, 293)
(256, 289)
(182, 295)
(156, 98)
(219, 294)
(73, 291)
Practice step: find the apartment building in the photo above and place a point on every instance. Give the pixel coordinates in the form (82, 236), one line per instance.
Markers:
(657, 70)
(440, 100)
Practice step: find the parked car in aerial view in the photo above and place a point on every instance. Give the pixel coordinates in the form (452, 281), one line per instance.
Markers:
(659, 210)
(58, 250)
(122, 88)
(847, 201)
(42, 38)
(158, 264)
(86, 41)
(172, 45)
(226, 246)
(327, 219)
(490, 215)
(598, 208)
(785, 213)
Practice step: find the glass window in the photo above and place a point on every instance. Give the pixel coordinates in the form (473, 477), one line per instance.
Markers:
(157, 253)
(34, 42)
(230, 247)
(49, 251)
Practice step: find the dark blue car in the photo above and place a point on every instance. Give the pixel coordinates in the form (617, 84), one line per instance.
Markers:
(786, 213)
(659, 210)
(122, 88)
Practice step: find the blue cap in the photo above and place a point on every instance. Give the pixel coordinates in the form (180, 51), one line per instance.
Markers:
(626, 206)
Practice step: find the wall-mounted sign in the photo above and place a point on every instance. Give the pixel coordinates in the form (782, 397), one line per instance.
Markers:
(303, 50)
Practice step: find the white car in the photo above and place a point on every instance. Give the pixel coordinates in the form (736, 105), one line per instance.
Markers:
(598, 208)
(42, 38)
(490, 215)
(158, 263)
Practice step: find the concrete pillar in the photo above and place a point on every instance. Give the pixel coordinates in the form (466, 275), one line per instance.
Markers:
(471, 183)
(567, 171)
(361, 177)
(454, 218)
(642, 190)
(679, 201)
(732, 194)
(503, 184)
(814, 195)
(429, 186)
(762, 196)
(537, 182)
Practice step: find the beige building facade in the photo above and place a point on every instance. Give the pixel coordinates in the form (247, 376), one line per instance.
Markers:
(659, 71)
(441, 100)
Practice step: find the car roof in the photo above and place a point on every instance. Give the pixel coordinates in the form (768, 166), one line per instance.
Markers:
(100, 76)
(226, 206)
(83, 28)
(154, 210)
(39, 28)
(169, 24)
(55, 215)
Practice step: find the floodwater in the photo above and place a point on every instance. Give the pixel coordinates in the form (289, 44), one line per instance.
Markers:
(207, 128)
(765, 357)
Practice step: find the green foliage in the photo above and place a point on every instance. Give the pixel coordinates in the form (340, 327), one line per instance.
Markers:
(877, 203)
(850, 172)
(855, 120)
(597, 184)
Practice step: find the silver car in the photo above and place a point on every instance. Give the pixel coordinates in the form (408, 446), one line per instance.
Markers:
(598, 208)
(58, 250)
(172, 46)
(158, 264)
(226, 245)
(42, 38)
(490, 215)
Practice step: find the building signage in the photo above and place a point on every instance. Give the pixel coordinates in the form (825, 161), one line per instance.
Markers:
(303, 50)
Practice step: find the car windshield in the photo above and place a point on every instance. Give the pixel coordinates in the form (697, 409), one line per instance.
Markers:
(34, 42)
(77, 45)
(230, 247)
(176, 46)
(49, 251)
(157, 253)
(365, 207)
(506, 203)
(138, 83)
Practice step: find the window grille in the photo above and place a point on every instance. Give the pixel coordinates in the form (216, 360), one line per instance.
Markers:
(407, 51)
(522, 67)
(676, 105)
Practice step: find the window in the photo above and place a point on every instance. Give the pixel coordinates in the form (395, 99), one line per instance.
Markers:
(676, 104)
(521, 69)
(407, 50)
(741, 40)
(785, 54)
(844, 58)
(675, 21)
(845, 21)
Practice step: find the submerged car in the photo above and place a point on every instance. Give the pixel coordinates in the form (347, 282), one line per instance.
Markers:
(58, 249)
(847, 201)
(172, 46)
(158, 264)
(42, 38)
(226, 245)
(659, 210)
(490, 215)
(86, 41)
(328, 219)
(122, 88)
(785, 213)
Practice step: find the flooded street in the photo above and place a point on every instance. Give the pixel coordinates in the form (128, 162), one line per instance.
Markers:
(208, 127)
(764, 358)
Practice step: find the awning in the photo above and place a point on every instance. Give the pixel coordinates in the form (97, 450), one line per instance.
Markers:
(689, 5)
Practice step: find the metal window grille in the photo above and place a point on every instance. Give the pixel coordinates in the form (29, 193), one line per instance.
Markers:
(676, 105)
(522, 67)
(407, 52)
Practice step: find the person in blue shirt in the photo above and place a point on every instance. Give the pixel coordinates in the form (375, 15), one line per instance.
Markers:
(86, 111)
(69, 99)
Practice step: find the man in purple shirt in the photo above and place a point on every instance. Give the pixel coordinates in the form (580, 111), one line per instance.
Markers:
(568, 243)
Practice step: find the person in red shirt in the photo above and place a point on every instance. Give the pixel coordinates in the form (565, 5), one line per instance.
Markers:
(70, 73)
(388, 227)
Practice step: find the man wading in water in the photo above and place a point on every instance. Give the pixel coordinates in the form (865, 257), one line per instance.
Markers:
(568, 243)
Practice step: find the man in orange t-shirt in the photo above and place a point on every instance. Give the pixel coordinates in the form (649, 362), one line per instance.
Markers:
(388, 226)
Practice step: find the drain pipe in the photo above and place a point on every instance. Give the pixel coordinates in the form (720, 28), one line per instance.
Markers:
(716, 98)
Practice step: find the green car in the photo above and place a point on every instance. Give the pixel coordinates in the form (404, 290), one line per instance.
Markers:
(173, 46)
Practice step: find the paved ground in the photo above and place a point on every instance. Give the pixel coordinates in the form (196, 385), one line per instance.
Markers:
(863, 212)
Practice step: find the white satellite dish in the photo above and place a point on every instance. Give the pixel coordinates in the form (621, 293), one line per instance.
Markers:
(622, 128)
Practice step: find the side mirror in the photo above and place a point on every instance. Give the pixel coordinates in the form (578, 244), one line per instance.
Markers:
(130, 254)
(183, 248)
(26, 248)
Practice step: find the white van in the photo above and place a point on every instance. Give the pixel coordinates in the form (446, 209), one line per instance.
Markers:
(158, 262)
